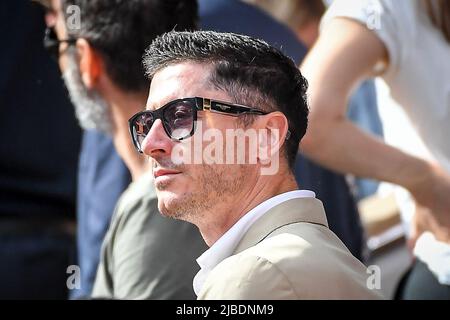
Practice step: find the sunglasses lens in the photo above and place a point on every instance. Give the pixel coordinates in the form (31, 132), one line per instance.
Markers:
(140, 127)
(179, 119)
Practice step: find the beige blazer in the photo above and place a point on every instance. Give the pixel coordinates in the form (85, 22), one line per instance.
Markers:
(290, 253)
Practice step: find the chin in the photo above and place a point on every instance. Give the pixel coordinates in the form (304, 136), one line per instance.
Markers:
(170, 206)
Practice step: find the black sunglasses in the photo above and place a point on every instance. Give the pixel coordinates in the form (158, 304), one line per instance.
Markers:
(51, 42)
(178, 117)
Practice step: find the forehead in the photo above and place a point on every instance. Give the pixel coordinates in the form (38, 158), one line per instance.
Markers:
(182, 80)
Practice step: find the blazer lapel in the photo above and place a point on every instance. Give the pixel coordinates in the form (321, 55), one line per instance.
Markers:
(296, 210)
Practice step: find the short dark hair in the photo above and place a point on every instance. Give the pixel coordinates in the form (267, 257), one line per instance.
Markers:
(249, 70)
(121, 30)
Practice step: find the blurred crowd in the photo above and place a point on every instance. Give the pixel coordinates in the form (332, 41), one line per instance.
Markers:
(78, 210)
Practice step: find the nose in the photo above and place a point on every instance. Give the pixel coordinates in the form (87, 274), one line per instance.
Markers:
(157, 143)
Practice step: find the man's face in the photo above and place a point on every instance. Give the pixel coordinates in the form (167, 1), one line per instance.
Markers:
(187, 191)
(91, 109)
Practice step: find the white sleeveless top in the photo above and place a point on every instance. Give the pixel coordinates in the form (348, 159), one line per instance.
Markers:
(418, 74)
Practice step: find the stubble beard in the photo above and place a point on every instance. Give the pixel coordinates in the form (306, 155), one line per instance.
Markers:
(214, 189)
(91, 109)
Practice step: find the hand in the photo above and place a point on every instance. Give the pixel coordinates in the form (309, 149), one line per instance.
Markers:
(423, 220)
(433, 192)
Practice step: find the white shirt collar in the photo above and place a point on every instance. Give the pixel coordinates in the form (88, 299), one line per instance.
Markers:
(223, 248)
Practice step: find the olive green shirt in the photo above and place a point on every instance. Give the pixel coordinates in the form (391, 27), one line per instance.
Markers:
(145, 255)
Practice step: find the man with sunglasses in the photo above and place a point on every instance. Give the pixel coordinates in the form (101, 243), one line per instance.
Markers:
(267, 239)
(144, 255)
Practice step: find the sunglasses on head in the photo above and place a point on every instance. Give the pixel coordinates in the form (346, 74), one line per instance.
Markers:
(51, 42)
(178, 117)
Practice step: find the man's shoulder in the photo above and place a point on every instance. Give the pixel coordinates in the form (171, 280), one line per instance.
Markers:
(139, 196)
(135, 211)
(143, 188)
(299, 262)
(308, 248)
(302, 247)
(137, 222)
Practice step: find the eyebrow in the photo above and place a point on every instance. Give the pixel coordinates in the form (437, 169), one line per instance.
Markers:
(149, 107)
(153, 106)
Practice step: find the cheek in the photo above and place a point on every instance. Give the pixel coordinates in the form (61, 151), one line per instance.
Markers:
(167, 200)
(62, 63)
(170, 196)
(59, 23)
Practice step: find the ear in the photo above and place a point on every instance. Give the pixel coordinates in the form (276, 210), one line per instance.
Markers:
(90, 63)
(272, 136)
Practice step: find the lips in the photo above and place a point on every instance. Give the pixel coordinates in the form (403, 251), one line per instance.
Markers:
(164, 172)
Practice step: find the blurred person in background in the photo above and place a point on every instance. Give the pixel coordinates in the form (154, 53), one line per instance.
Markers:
(303, 18)
(144, 256)
(406, 43)
(103, 173)
(38, 161)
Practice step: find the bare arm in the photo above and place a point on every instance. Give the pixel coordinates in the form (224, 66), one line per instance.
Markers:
(346, 53)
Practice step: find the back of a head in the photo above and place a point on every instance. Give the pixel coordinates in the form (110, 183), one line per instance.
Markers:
(121, 30)
(249, 70)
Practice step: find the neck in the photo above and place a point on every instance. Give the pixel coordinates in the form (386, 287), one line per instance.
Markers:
(260, 190)
(123, 106)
